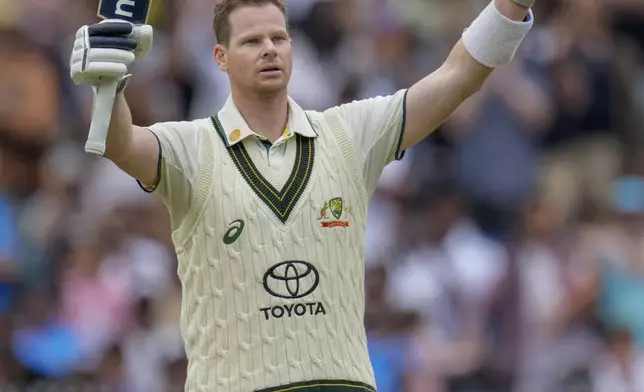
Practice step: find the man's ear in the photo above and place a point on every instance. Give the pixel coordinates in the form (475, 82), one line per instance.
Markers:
(221, 57)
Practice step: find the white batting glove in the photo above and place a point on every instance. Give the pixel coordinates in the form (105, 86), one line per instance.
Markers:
(104, 51)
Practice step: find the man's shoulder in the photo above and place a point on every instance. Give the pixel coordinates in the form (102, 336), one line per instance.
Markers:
(377, 100)
(182, 136)
(184, 125)
(361, 106)
(315, 115)
(322, 120)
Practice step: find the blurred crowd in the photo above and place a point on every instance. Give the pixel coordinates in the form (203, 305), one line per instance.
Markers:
(504, 253)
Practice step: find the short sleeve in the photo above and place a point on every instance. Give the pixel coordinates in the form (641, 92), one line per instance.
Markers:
(179, 161)
(376, 127)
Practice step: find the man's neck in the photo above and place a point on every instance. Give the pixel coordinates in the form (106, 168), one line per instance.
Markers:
(266, 115)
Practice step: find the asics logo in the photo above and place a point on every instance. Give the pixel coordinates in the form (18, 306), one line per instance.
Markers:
(234, 231)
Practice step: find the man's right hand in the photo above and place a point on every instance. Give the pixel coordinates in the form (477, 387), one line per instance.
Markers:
(104, 51)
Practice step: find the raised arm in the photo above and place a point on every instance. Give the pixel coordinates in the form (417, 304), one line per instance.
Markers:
(165, 157)
(489, 42)
(133, 149)
(105, 51)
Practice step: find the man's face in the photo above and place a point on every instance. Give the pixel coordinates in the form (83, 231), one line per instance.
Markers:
(258, 57)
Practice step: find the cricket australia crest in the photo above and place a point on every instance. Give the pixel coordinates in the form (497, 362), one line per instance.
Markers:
(337, 209)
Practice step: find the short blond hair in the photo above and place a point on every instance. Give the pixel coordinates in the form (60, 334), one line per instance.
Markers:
(223, 9)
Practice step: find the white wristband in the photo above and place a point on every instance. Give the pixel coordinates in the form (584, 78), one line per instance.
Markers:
(493, 39)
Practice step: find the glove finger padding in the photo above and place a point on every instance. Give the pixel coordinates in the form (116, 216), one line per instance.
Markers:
(109, 55)
(109, 63)
(121, 43)
(143, 35)
(105, 51)
(109, 28)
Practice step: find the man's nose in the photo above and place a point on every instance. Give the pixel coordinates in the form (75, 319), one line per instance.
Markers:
(269, 49)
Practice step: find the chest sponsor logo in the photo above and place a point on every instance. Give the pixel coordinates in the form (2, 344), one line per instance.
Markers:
(332, 212)
(292, 280)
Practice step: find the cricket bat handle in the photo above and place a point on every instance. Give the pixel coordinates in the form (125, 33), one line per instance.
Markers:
(103, 105)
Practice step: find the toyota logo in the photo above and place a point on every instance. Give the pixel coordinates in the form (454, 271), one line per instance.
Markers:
(291, 279)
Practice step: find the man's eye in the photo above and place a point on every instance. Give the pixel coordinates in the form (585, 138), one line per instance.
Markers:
(252, 41)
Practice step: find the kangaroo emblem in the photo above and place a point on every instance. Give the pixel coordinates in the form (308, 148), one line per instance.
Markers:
(323, 211)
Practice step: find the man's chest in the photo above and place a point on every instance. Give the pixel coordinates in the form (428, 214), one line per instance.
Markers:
(280, 244)
(302, 187)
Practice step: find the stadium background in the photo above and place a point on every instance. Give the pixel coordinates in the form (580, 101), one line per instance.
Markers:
(504, 253)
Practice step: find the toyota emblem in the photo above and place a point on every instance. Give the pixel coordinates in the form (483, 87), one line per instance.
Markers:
(291, 279)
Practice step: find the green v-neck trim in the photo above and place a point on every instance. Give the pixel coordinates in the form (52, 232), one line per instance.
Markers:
(280, 202)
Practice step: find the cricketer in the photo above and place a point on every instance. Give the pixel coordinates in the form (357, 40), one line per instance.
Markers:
(268, 201)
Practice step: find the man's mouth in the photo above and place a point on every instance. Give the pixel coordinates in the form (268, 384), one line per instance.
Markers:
(270, 70)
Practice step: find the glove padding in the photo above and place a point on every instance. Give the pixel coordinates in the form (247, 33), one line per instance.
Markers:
(104, 51)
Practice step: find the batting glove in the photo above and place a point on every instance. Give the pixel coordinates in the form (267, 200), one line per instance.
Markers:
(104, 51)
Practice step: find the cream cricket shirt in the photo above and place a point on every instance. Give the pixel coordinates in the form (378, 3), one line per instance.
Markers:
(269, 240)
